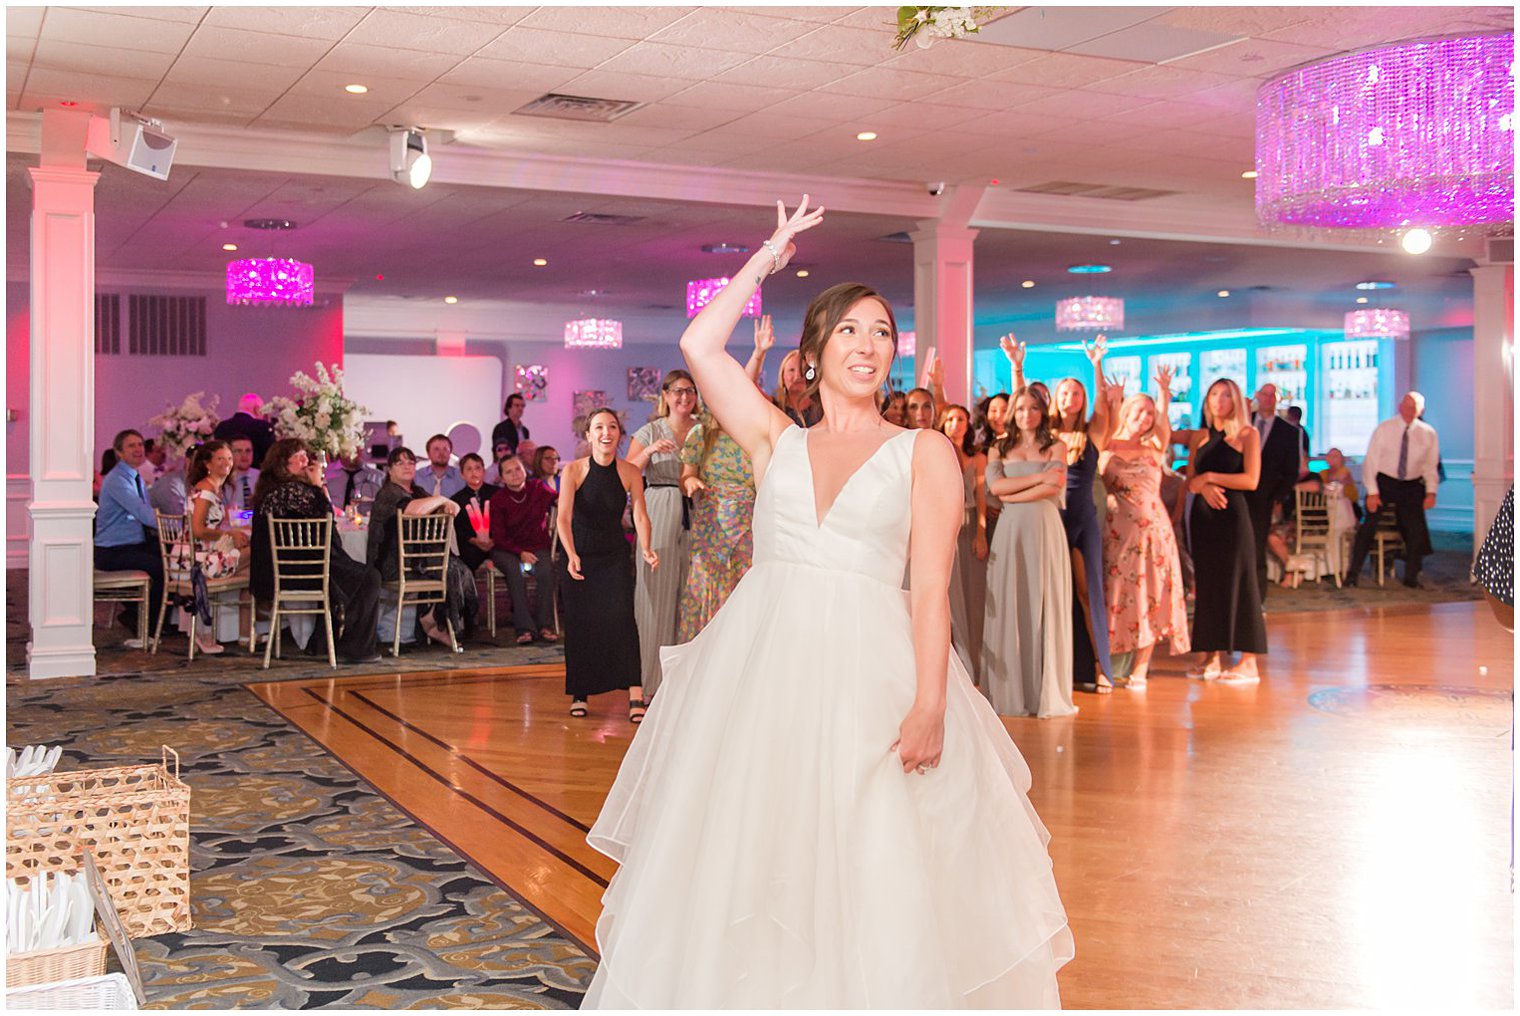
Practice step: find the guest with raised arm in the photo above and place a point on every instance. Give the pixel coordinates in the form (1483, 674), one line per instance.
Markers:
(1225, 464)
(1085, 439)
(656, 451)
(601, 636)
(472, 526)
(1142, 572)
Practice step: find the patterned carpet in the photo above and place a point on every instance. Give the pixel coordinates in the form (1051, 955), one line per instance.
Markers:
(308, 888)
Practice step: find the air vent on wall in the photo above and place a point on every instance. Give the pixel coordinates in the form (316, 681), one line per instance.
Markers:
(1501, 250)
(601, 219)
(578, 107)
(1067, 188)
(166, 325)
(107, 323)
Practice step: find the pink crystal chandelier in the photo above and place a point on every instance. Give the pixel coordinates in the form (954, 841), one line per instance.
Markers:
(907, 343)
(1377, 323)
(1090, 314)
(594, 333)
(1417, 133)
(271, 281)
(700, 292)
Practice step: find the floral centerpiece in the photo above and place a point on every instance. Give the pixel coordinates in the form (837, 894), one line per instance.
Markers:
(320, 414)
(925, 24)
(184, 426)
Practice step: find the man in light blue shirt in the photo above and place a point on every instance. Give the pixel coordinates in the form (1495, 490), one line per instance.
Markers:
(438, 477)
(126, 531)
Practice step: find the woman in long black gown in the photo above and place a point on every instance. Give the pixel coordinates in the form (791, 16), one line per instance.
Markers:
(1225, 462)
(601, 637)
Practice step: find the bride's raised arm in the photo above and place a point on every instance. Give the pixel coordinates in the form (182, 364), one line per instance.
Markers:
(743, 410)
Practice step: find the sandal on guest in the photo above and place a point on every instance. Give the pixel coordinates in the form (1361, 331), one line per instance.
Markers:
(1204, 673)
(524, 637)
(1239, 677)
(1136, 683)
(546, 635)
(577, 707)
(636, 710)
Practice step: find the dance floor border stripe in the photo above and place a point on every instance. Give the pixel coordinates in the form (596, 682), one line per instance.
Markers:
(471, 675)
(526, 833)
(590, 948)
(467, 760)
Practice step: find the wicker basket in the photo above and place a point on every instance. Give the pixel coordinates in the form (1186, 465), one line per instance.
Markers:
(134, 819)
(67, 963)
(108, 992)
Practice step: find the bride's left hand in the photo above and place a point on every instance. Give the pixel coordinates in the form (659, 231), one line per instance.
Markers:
(920, 739)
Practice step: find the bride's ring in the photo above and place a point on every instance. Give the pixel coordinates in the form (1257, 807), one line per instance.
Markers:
(922, 770)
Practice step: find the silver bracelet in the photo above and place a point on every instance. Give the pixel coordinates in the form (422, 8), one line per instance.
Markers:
(775, 256)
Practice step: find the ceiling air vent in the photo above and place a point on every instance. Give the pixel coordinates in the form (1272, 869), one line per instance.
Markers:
(1501, 250)
(603, 219)
(1068, 188)
(578, 107)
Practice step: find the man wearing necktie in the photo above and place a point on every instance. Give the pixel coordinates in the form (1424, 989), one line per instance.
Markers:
(126, 530)
(1401, 470)
(349, 480)
(1280, 462)
(237, 492)
(439, 477)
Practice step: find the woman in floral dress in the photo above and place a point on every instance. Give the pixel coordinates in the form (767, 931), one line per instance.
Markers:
(716, 475)
(1142, 574)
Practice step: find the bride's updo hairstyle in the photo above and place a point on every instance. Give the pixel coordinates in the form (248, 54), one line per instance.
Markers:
(823, 316)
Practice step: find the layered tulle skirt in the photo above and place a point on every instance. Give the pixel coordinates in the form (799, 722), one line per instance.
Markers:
(774, 854)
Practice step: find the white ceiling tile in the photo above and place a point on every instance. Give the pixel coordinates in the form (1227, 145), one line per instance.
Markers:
(963, 58)
(232, 74)
(230, 115)
(839, 43)
(1162, 82)
(877, 18)
(225, 43)
(1236, 20)
(87, 88)
(610, 85)
(717, 95)
(1013, 125)
(736, 31)
(886, 83)
(1057, 27)
(779, 72)
(490, 15)
(991, 95)
(185, 96)
(492, 103)
(1251, 57)
(829, 104)
(18, 49)
(327, 85)
(97, 29)
(190, 15)
(773, 125)
(330, 23)
(617, 22)
(1153, 42)
(509, 74)
(557, 49)
(693, 118)
(688, 62)
(1066, 70)
(459, 120)
(299, 112)
(23, 21)
(131, 63)
(1078, 104)
(918, 115)
(375, 61)
(391, 28)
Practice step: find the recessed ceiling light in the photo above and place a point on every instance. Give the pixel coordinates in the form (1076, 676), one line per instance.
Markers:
(1115, 243)
(866, 136)
(1027, 283)
(1376, 284)
(1089, 269)
(356, 89)
(229, 246)
(451, 299)
(1223, 293)
(540, 262)
(1417, 241)
(803, 273)
(1361, 299)
(1249, 174)
(724, 248)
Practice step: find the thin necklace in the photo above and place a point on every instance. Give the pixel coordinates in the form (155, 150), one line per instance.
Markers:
(517, 500)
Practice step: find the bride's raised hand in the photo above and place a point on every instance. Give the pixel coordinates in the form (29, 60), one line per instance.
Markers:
(1014, 350)
(787, 228)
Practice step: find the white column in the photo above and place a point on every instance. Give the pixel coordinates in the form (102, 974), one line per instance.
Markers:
(942, 300)
(60, 558)
(1493, 392)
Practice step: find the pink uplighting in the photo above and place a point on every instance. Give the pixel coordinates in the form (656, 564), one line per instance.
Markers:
(593, 333)
(1377, 323)
(907, 343)
(700, 292)
(1089, 313)
(281, 281)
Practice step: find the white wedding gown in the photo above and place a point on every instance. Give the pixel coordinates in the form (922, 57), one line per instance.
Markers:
(773, 852)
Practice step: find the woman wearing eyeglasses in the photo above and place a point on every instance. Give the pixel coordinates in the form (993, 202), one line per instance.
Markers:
(656, 451)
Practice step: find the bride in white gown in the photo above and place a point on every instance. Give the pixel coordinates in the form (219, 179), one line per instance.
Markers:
(854, 831)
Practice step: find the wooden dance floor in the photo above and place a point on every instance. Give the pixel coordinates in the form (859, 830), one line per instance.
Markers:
(1335, 837)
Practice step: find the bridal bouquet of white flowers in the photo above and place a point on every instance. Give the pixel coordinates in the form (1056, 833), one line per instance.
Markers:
(925, 24)
(184, 426)
(320, 414)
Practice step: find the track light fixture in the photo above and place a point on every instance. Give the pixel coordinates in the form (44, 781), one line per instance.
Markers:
(410, 162)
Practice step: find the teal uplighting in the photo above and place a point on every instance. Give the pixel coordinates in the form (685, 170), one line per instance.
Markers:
(1183, 338)
(1089, 269)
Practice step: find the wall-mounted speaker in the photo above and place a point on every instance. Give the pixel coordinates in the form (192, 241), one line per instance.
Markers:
(132, 142)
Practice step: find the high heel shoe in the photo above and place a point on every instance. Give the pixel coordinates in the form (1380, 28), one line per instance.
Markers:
(207, 645)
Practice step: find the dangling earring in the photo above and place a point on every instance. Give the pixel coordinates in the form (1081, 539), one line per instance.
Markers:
(811, 372)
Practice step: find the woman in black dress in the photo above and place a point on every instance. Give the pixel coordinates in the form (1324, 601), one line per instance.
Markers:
(601, 637)
(1225, 462)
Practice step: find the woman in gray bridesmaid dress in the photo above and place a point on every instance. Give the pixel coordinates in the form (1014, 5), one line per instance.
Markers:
(1026, 635)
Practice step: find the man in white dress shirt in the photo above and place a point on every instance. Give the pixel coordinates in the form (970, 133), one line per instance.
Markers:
(237, 492)
(1400, 469)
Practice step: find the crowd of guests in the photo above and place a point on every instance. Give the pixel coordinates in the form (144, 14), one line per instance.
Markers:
(1080, 547)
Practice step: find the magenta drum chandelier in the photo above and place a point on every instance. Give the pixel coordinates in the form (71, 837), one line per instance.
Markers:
(1090, 314)
(700, 293)
(270, 281)
(1377, 323)
(1415, 134)
(594, 333)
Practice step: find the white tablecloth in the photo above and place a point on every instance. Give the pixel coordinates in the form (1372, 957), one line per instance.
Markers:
(355, 542)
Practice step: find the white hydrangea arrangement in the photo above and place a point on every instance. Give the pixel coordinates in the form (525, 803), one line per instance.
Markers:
(184, 426)
(925, 24)
(320, 414)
